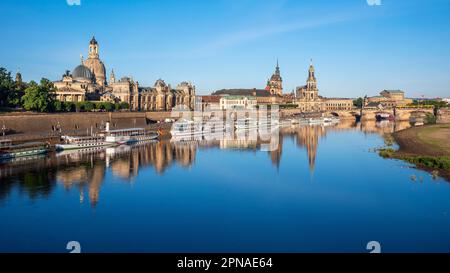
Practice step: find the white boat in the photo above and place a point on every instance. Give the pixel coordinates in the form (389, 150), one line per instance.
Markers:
(315, 121)
(83, 142)
(249, 124)
(331, 120)
(10, 151)
(246, 124)
(303, 121)
(128, 136)
(186, 128)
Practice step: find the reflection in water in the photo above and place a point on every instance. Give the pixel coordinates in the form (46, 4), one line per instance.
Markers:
(85, 170)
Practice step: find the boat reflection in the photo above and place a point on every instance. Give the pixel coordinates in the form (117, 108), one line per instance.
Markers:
(85, 170)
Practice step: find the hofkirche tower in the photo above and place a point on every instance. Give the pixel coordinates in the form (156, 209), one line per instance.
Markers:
(308, 95)
(94, 63)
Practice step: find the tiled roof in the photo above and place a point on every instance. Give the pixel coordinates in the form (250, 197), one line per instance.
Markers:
(211, 99)
(394, 91)
(238, 97)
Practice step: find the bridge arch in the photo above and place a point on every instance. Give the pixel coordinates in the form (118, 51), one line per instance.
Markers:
(334, 114)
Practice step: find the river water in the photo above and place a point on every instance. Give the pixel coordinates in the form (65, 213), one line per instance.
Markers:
(313, 189)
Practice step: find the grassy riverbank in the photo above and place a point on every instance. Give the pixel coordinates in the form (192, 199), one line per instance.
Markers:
(427, 147)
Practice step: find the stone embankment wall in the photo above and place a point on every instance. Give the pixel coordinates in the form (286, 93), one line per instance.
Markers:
(32, 123)
(43, 123)
(443, 115)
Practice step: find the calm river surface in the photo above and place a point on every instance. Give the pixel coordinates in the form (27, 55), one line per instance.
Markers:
(314, 189)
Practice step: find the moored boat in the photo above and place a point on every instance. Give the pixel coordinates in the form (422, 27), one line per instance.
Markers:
(315, 121)
(8, 150)
(84, 142)
(128, 136)
(186, 128)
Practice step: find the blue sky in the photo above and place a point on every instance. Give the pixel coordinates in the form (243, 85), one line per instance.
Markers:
(357, 48)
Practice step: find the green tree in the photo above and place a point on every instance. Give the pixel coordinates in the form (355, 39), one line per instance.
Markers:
(69, 106)
(88, 106)
(58, 106)
(358, 102)
(108, 106)
(6, 86)
(124, 105)
(39, 97)
(80, 106)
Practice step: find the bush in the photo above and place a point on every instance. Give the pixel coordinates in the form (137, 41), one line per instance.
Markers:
(124, 105)
(79, 106)
(430, 119)
(288, 106)
(386, 152)
(440, 162)
(69, 106)
(88, 106)
(58, 106)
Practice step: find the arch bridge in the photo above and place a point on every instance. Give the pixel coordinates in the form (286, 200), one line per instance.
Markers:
(399, 114)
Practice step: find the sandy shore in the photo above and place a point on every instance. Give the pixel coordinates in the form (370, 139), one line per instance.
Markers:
(432, 141)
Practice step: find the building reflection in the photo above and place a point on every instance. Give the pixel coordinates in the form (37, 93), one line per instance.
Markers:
(85, 171)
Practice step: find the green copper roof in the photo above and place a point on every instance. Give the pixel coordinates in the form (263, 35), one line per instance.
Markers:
(239, 97)
(394, 91)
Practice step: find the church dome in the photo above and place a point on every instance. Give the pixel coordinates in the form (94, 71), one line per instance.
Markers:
(97, 66)
(81, 72)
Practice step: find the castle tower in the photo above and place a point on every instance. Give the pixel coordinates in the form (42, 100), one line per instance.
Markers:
(275, 83)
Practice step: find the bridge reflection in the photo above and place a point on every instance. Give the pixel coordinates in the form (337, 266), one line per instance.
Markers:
(87, 170)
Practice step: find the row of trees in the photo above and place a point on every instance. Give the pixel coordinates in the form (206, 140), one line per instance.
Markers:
(88, 106)
(435, 103)
(40, 97)
(11, 92)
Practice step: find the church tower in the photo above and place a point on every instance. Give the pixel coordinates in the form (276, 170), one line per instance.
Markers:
(310, 92)
(94, 63)
(275, 83)
(112, 77)
(93, 49)
(308, 95)
(18, 78)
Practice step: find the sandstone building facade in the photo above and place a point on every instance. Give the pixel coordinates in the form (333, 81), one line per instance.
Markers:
(388, 98)
(88, 81)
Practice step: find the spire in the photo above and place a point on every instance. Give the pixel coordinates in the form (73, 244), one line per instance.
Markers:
(311, 70)
(93, 41)
(277, 69)
(81, 59)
